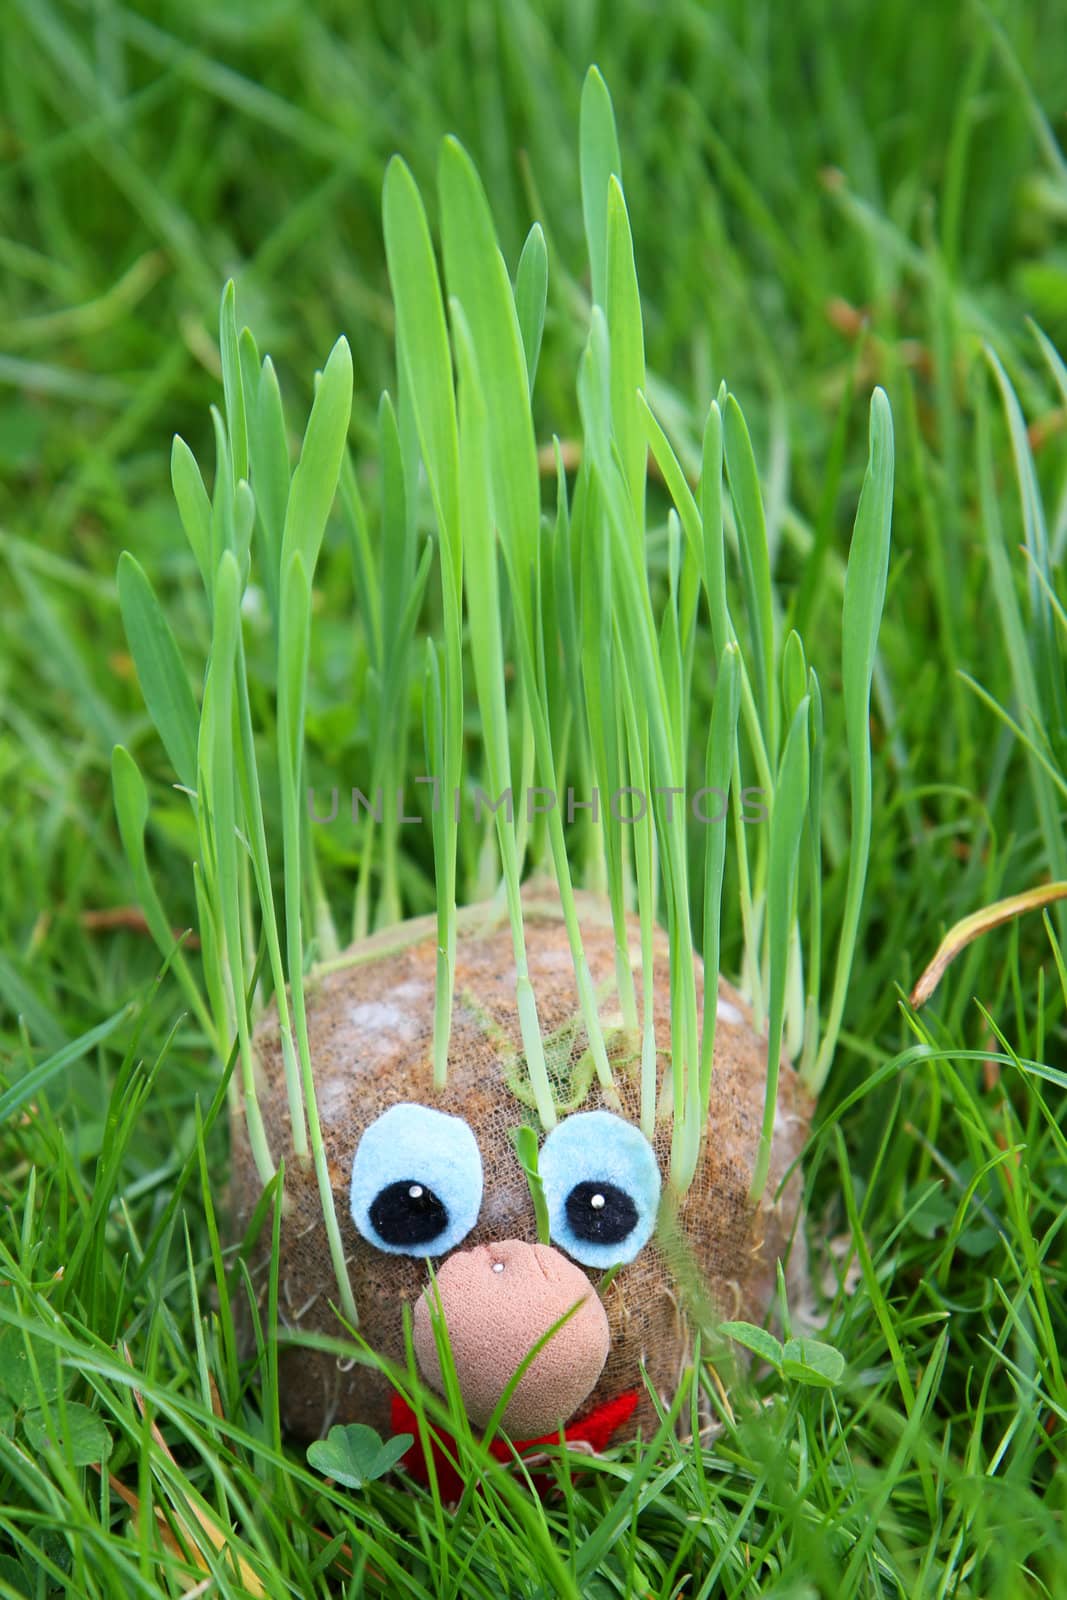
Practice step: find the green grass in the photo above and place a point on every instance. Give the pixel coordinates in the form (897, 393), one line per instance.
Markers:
(816, 207)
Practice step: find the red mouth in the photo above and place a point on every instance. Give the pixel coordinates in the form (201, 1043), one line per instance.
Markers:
(594, 1429)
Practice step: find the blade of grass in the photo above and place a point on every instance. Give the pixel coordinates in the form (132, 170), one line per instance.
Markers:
(483, 604)
(599, 157)
(718, 768)
(131, 810)
(478, 278)
(162, 676)
(755, 565)
(865, 584)
(426, 373)
(531, 293)
(788, 812)
(31, 1083)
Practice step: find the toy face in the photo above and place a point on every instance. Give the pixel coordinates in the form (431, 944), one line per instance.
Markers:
(471, 1234)
(416, 1190)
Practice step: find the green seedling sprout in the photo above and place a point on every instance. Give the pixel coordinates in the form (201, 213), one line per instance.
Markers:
(618, 664)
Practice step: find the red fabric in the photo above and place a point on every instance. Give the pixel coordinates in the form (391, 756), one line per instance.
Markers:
(595, 1429)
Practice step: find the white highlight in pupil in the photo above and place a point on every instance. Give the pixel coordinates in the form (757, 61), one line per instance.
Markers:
(415, 1192)
(597, 1202)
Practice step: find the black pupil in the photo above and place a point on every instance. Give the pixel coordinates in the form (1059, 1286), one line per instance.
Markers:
(407, 1213)
(600, 1213)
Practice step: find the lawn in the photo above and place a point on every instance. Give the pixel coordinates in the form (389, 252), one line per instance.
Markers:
(824, 202)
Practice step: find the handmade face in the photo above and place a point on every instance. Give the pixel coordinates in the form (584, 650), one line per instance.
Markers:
(370, 1029)
(417, 1190)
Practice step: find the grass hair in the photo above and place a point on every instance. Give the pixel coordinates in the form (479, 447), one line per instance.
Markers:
(608, 680)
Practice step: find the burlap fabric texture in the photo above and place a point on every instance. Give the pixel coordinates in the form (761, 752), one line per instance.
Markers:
(370, 1027)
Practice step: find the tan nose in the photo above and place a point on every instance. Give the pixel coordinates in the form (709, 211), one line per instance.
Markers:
(498, 1301)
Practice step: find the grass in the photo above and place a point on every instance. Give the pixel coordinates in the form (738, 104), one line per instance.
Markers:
(816, 207)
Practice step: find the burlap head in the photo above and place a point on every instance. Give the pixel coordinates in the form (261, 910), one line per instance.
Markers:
(370, 1028)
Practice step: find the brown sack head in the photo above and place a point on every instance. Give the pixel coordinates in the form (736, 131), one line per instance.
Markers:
(370, 1029)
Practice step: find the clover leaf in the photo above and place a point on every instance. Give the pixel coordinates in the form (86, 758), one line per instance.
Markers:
(811, 1361)
(82, 1438)
(804, 1360)
(353, 1454)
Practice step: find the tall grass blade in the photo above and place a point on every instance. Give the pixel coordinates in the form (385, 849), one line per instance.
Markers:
(162, 676)
(425, 365)
(531, 294)
(233, 385)
(194, 506)
(131, 810)
(622, 308)
(718, 770)
(1048, 665)
(755, 565)
(865, 583)
(788, 814)
(483, 602)
(477, 277)
(599, 159)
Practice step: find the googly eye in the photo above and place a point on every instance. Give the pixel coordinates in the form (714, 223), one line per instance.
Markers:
(416, 1181)
(601, 1182)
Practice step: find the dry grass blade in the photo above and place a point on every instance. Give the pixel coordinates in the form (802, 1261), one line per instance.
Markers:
(970, 928)
(216, 1536)
(212, 1531)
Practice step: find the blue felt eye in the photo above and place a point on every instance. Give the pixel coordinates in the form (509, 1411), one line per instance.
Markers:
(601, 1181)
(416, 1181)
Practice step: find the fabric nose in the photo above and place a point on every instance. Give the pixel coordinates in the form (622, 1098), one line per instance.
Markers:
(498, 1301)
